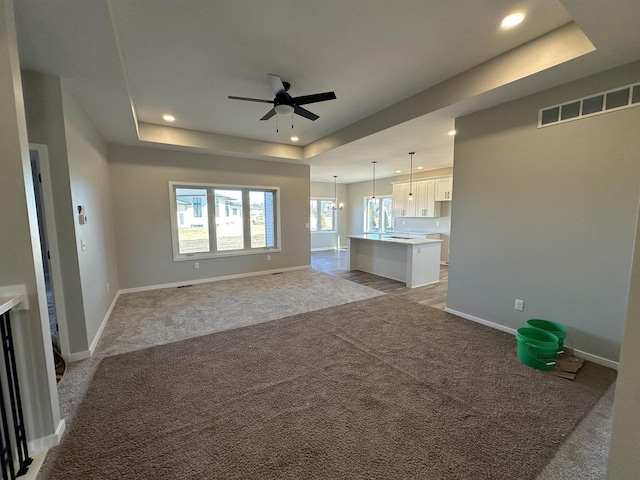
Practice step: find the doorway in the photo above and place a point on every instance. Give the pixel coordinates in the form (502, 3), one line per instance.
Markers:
(42, 186)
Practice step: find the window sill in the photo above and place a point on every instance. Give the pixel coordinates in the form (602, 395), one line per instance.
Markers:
(323, 231)
(234, 253)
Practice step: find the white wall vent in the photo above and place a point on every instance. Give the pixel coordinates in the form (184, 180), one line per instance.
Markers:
(605, 102)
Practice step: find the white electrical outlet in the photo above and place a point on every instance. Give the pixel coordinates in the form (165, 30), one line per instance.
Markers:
(268, 257)
(438, 223)
(519, 305)
(307, 225)
(196, 265)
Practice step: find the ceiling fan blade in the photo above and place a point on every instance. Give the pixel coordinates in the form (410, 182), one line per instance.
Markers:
(269, 114)
(305, 113)
(246, 99)
(316, 97)
(276, 84)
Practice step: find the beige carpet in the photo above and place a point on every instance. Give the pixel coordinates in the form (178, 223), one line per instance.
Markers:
(380, 388)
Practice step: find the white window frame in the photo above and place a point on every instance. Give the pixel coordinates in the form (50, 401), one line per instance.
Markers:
(319, 219)
(380, 220)
(211, 212)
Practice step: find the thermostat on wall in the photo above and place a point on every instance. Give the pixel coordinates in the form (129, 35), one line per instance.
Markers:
(82, 217)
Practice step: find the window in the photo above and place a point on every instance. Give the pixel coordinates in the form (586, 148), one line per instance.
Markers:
(378, 214)
(243, 220)
(323, 216)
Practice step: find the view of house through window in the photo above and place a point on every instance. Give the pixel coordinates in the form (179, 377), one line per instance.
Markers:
(240, 219)
(323, 216)
(229, 228)
(193, 226)
(378, 214)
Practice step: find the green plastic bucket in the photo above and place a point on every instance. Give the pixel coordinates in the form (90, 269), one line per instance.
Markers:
(537, 348)
(551, 327)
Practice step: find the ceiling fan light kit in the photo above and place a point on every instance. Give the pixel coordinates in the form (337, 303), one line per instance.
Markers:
(286, 105)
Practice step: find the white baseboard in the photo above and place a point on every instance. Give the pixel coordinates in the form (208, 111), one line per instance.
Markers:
(482, 321)
(212, 279)
(324, 249)
(588, 356)
(596, 359)
(96, 339)
(50, 441)
(77, 356)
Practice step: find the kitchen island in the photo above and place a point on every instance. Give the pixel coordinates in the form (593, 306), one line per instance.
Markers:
(415, 261)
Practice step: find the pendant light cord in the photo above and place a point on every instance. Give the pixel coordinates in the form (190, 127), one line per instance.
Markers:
(411, 173)
(374, 179)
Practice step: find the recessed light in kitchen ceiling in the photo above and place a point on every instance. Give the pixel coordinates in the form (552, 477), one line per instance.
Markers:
(398, 171)
(419, 168)
(295, 138)
(451, 133)
(512, 20)
(168, 118)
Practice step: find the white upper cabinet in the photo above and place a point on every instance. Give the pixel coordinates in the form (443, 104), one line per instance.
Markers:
(402, 207)
(444, 189)
(424, 202)
(426, 205)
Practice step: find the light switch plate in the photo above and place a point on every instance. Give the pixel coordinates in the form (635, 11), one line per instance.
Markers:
(519, 305)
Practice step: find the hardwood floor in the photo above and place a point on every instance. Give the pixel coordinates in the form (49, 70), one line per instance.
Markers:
(335, 263)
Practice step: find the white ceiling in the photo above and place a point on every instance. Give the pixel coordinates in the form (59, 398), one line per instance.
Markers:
(121, 59)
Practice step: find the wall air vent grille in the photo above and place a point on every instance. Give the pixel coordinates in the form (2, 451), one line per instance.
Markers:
(605, 102)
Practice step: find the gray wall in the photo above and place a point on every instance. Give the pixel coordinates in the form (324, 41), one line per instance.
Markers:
(79, 176)
(624, 462)
(45, 125)
(89, 175)
(20, 255)
(358, 191)
(330, 240)
(548, 215)
(140, 192)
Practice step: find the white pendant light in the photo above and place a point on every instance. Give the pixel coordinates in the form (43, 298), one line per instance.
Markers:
(374, 180)
(336, 205)
(411, 177)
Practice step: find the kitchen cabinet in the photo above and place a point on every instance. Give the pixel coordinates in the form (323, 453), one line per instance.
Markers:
(424, 203)
(444, 189)
(426, 206)
(444, 251)
(415, 261)
(402, 207)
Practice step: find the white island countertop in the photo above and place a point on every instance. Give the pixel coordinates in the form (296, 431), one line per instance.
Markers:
(415, 261)
(389, 237)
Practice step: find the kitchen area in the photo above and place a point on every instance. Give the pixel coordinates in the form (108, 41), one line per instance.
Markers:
(393, 234)
(410, 242)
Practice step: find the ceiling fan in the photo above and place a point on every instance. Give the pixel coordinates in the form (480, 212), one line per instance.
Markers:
(285, 104)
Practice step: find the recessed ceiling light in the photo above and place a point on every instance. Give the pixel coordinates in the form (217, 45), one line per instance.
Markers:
(398, 171)
(419, 168)
(451, 133)
(295, 138)
(512, 20)
(168, 118)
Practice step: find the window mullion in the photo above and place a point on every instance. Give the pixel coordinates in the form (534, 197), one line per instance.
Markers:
(246, 219)
(211, 212)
